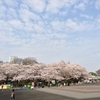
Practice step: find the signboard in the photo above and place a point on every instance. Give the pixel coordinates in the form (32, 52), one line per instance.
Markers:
(53, 81)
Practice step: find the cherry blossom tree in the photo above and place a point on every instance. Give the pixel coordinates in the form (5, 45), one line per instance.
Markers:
(29, 72)
(52, 71)
(2, 77)
(74, 71)
(57, 71)
(98, 72)
(8, 71)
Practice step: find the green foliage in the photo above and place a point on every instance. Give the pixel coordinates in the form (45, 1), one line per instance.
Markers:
(92, 73)
(21, 83)
(29, 61)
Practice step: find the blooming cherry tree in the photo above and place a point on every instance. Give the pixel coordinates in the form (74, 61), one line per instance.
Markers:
(74, 71)
(58, 71)
(8, 71)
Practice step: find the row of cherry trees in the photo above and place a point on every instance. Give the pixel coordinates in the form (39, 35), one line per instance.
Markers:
(58, 71)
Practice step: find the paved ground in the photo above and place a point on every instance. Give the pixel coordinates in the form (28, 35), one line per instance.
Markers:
(84, 92)
(31, 95)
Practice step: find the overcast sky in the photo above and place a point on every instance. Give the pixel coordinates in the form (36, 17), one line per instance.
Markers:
(51, 31)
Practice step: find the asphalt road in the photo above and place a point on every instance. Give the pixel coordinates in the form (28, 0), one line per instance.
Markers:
(31, 95)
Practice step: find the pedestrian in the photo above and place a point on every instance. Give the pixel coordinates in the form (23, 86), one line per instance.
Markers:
(48, 84)
(35, 85)
(12, 95)
(68, 84)
(2, 87)
(32, 87)
(64, 84)
(60, 85)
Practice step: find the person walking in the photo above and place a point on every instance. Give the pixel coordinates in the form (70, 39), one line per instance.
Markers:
(12, 95)
(2, 87)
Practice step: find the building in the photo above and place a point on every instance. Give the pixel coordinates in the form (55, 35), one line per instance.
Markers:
(12, 58)
(15, 60)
